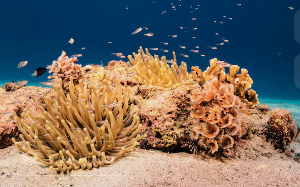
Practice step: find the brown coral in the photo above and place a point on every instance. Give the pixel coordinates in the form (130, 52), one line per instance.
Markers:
(281, 129)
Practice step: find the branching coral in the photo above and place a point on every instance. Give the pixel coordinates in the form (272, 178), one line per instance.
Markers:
(216, 112)
(152, 70)
(84, 131)
(63, 68)
(241, 82)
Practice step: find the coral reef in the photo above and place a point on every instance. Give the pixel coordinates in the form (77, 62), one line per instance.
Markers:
(80, 131)
(164, 116)
(281, 129)
(16, 101)
(155, 71)
(217, 123)
(63, 68)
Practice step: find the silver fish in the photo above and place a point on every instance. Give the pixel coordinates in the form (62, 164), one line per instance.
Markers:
(110, 105)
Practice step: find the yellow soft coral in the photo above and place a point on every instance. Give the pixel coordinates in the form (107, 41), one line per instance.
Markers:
(155, 71)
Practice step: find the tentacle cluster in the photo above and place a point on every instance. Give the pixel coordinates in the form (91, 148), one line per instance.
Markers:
(80, 130)
(152, 70)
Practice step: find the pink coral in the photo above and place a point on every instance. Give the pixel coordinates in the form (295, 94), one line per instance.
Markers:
(63, 68)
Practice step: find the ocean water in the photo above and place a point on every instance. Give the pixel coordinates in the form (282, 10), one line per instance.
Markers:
(257, 34)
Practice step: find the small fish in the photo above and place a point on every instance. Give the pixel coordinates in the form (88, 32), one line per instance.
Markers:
(76, 55)
(194, 37)
(132, 73)
(101, 122)
(122, 56)
(154, 49)
(197, 47)
(165, 43)
(181, 27)
(126, 8)
(226, 40)
(33, 95)
(217, 34)
(195, 28)
(22, 64)
(10, 113)
(83, 48)
(195, 51)
(110, 105)
(137, 31)
(222, 63)
(117, 54)
(88, 81)
(47, 83)
(239, 4)
(109, 42)
(291, 8)
(203, 55)
(71, 41)
(184, 55)
(230, 18)
(182, 47)
(39, 71)
(214, 48)
(221, 43)
(164, 12)
(166, 51)
(12, 120)
(149, 34)
(173, 36)
(221, 22)
(215, 21)
(224, 16)
(193, 18)
(170, 61)
(146, 28)
(14, 102)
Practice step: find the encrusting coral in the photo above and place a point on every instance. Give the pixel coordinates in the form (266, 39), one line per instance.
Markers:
(215, 110)
(64, 68)
(241, 82)
(155, 71)
(80, 131)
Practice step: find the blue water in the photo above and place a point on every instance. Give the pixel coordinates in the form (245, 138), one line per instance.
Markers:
(260, 35)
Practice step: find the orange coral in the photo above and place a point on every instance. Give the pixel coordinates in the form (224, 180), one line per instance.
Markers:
(215, 109)
(241, 83)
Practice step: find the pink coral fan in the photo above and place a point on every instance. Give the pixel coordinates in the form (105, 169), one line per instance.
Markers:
(63, 68)
(215, 110)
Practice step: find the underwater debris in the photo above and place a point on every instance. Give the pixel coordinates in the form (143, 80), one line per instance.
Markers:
(65, 136)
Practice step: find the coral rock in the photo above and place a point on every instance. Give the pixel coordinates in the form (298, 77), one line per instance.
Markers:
(281, 129)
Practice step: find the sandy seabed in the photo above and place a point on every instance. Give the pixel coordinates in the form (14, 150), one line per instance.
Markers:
(156, 168)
